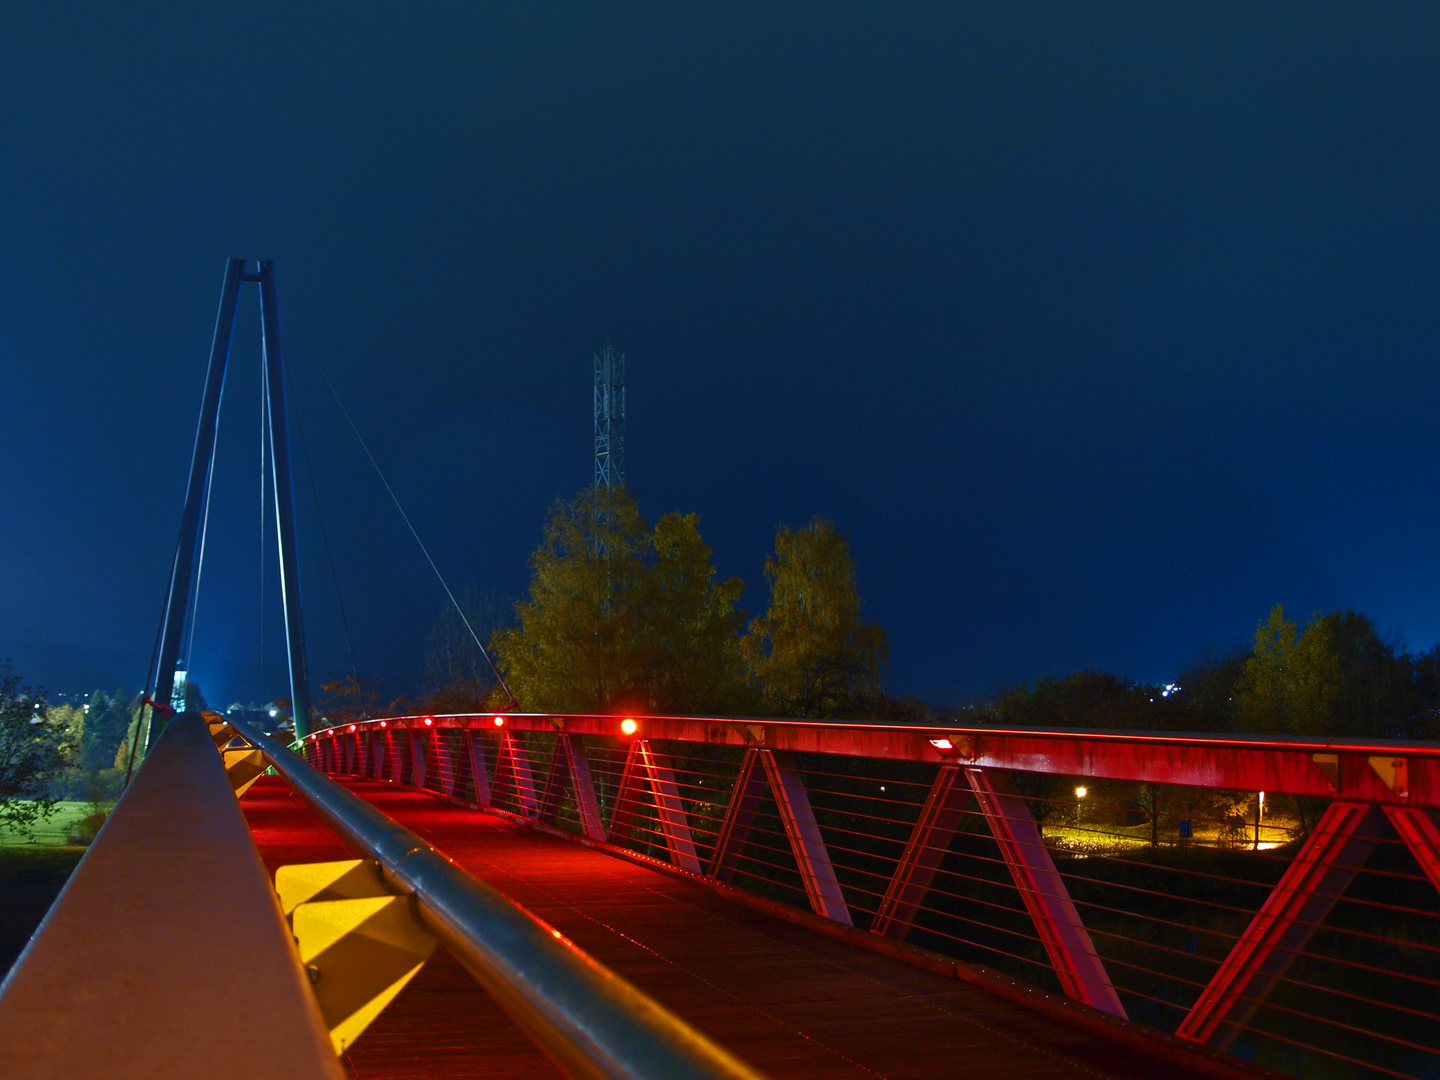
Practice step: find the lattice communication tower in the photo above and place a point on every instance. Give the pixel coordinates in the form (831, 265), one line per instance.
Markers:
(609, 418)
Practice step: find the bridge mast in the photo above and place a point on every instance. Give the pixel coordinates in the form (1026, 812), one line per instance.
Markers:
(182, 571)
(284, 498)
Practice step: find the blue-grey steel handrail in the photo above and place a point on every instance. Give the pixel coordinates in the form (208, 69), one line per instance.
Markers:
(595, 1024)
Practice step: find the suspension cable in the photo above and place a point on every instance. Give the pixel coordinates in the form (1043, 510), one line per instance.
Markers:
(264, 447)
(329, 559)
(500, 679)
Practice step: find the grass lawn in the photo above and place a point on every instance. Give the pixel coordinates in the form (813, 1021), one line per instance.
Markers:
(53, 832)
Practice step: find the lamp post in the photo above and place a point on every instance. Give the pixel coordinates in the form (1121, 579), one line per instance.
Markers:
(1080, 793)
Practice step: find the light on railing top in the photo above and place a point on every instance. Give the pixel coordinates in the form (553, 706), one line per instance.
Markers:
(499, 721)
(428, 721)
(382, 723)
(628, 726)
(352, 727)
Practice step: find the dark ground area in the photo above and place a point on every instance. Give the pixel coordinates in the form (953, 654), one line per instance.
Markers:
(30, 879)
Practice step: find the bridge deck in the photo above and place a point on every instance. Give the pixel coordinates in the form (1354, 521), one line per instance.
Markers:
(794, 1003)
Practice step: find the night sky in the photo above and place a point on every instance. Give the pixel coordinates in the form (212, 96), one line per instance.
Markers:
(1098, 328)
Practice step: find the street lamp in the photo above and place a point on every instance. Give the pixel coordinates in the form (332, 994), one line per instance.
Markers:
(1080, 793)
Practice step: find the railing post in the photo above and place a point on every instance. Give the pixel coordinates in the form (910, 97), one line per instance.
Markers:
(378, 757)
(1072, 954)
(419, 740)
(479, 773)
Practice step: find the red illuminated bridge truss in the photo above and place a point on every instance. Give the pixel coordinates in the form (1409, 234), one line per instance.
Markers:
(872, 826)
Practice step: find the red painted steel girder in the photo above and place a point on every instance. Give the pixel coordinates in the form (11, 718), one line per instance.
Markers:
(1373, 771)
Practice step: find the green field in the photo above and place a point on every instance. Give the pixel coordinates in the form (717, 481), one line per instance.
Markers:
(66, 822)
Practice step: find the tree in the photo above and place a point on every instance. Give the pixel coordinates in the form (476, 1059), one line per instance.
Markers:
(689, 624)
(34, 752)
(343, 701)
(1337, 677)
(811, 654)
(107, 718)
(620, 616)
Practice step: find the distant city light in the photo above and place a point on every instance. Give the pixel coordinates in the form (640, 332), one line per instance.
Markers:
(1168, 689)
(274, 713)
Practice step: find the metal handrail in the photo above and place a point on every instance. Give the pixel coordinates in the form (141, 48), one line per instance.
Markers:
(595, 1024)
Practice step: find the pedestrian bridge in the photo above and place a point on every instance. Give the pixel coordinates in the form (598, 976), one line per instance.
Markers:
(536, 895)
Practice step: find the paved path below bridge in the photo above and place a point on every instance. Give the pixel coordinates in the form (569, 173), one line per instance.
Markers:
(794, 1003)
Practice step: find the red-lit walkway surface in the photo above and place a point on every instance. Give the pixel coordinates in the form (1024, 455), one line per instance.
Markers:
(794, 1003)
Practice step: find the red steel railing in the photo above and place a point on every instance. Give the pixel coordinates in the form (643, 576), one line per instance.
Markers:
(1134, 872)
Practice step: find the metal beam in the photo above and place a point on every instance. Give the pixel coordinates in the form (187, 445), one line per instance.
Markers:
(512, 766)
(812, 858)
(166, 953)
(1058, 924)
(1420, 835)
(644, 766)
(570, 771)
(1294, 910)
(929, 840)
(479, 773)
(739, 817)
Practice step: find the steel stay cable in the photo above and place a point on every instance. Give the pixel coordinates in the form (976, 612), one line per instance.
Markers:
(325, 540)
(500, 679)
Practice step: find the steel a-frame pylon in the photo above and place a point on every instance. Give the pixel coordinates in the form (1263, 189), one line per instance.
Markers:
(187, 550)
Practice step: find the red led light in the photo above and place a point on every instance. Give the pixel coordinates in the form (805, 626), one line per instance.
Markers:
(499, 721)
(352, 727)
(428, 721)
(942, 744)
(628, 726)
(382, 723)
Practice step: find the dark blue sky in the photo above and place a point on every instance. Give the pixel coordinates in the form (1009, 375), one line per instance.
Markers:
(1097, 328)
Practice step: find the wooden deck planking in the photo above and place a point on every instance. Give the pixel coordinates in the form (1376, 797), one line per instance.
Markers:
(794, 1003)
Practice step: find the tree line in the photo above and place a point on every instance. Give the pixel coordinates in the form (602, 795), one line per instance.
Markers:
(626, 616)
(1336, 676)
